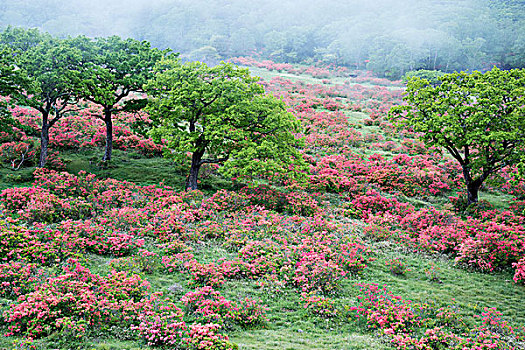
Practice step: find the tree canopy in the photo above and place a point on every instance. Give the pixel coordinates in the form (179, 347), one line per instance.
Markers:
(10, 82)
(221, 115)
(479, 118)
(53, 65)
(113, 69)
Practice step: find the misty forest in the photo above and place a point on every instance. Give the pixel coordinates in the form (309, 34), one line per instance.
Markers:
(288, 175)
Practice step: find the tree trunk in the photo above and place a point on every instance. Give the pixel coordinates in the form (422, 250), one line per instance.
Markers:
(191, 182)
(472, 192)
(109, 135)
(473, 187)
(44, 141)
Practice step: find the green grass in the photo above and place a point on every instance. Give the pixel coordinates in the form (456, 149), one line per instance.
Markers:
(285, 339)
(124, 166)
(471, 291)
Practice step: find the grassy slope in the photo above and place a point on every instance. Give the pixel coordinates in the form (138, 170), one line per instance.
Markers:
(290, 326)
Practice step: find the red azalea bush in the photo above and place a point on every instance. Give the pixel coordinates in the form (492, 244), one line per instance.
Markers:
(206, 337)
(76, 299)
(161, 324)
(316, 273)
(45, 247)
(405, 324)
(491, 245)
(208, 305)
(319, 305)
(382, 310)
(17, 154)
(19, 278)
(519, 275)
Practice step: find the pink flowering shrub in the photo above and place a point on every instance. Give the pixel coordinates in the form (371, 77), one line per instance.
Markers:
(161, 324)
(98, 239)
(295, 203)
(263, 257)
(205, 274)
(315, 273)
(46, 247)
(519, 275)
(491, 245)
(396, 266)
(373, 203)
(208, 305)
(423, 326)
(177, 262)
(35, 204)
(17, 154)
(249, 313)
(78, 299)
(18, 278)
(206, 337)
(382, 310)
(319, 305)
(224, 200)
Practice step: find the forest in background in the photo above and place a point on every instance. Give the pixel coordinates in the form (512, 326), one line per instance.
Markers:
(387, 37)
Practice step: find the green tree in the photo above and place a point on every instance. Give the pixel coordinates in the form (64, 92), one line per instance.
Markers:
(431, 75)
(52, 66)
(478, 118)
(221, 115)
(11, 82)
(113, 70)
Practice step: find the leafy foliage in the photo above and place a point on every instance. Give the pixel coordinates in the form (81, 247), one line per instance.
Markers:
(221, 115)
(113, 69)
(478, 118)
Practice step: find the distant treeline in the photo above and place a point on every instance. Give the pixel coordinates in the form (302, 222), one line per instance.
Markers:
(388, 37)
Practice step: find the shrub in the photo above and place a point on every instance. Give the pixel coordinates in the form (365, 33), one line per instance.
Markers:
(397, 266)
(519, 275)
(75, 301)
(319, 305)
(205, 337)
(315, 273)
(162, 325)
(17, 154)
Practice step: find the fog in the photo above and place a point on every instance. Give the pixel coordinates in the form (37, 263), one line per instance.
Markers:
(389, 37)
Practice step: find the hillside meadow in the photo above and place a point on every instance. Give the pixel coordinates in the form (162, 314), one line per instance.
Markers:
(375, 249)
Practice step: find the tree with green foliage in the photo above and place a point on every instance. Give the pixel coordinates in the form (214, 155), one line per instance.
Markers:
(479, 118)
(114, 69)
(221, 115)
(53, 65)
(22, 39)
(11, 81)
(431, 75)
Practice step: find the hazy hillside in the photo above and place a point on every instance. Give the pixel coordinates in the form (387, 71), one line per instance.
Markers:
(388, 37)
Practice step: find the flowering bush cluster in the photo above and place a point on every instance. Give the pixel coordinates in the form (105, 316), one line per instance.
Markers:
(397, 266)
(493, 242)
(411, 176)
(17, 154)
(76, 300)
(320, 305)
(409, 326)
(519, 275)
(209, 306)
(82, 129)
